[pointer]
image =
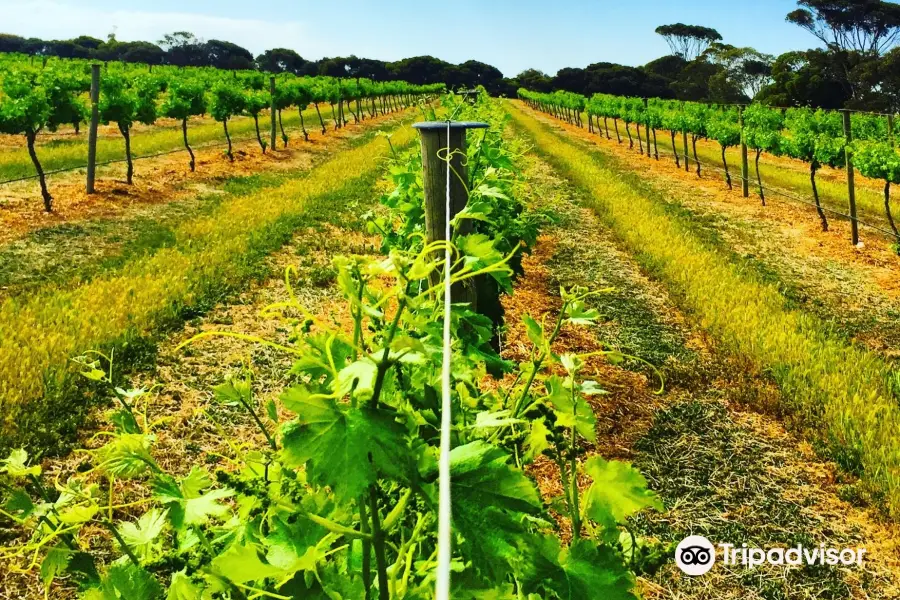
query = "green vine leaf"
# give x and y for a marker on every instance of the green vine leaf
(126, 582)
(187, 503)
(534, 331)
(343, 448)
(568, 414)
(143, 536)
(16, 465)
(490, 501)
(617, 491)
(241, 563)
(537, 440)
(183, 588)
(578, 313)
(19, 504)
(581, 572)
(362, 374)
(56, 562)
(78, 514)
(127, 456)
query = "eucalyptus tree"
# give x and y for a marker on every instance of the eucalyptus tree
(688, 41)
(868, 27)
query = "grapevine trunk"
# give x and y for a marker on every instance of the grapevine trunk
(762, 195)
(887, 208)
(187, 145)
(813, 167)
(727, 174)
(696, 160)
(228, 138)
(675, 149)
(284, 137)
(321, 121)
(126, 135)
(259, 139)
(45, 194)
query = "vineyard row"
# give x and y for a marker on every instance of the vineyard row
(36, 99)
(839, 139)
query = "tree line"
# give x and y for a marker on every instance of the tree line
(858, 65)
(184, 49)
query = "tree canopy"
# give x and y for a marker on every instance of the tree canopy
(225, 55)
(868, 26)
(688, 41)
(744, 69)
(536, 80)
(282, 60)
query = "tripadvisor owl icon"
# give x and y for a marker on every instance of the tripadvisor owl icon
(695, 555)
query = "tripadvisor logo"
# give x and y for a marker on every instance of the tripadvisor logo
(696, 555)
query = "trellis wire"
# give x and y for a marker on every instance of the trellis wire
(775, 106)
(442, 586)
(444, 506)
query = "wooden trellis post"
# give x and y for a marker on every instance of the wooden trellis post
(435, 146)
(851, 189)
(92, 132)
(647, 125)
(745, 169)
(273, 111)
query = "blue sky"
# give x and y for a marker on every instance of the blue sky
(512, 35)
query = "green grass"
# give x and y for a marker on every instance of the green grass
(837, 391)
(585, 255)
(72, 153)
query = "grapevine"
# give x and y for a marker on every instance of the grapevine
(37, 99)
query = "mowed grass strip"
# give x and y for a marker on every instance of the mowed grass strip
(71, 153)
(40, 333)
(838, 391)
